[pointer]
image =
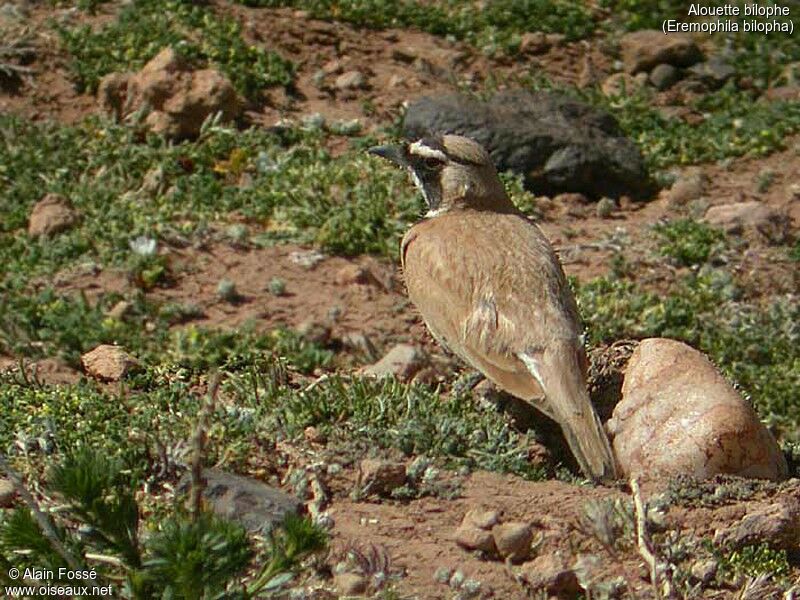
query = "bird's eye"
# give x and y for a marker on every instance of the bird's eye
(432, 163)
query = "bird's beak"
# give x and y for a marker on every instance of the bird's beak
(395, 154)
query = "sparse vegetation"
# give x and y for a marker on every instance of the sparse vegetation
(689, 242)
(754, 561)
(733, 124)
(762, 59)
(496, 26)
(186, 556)
(755, 346)
(144, 27)
(103, 459)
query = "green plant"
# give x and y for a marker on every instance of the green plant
(497, 26)
(643, 14)
(688, 242)
(350, 204)
(187, 557)
(277, 286)
(146, 267)
(226, 290)
(611, 522)
(762, 59)
(19, 530)
(51, 324)
(193, 558)
(734, 124)
(288, 546)
(144, 27)
(200, 349)
(752, 561)
(794, 251)
(361, 413)
(100, 497)
(764, 181)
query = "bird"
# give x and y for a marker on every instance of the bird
(491, 289)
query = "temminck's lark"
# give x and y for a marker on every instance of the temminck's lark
(490, 287)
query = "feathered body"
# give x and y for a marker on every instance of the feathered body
(491, 289)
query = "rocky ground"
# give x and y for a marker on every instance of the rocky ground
(407, 516)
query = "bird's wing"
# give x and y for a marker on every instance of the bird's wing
(489, 302)
(491, 287)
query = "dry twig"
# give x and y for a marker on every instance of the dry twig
(646, 548)
(198, 447)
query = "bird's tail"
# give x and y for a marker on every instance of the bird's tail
(560, 373)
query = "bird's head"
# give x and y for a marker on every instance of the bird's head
(451, 171)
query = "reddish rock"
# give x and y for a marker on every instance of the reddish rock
(351, 80)
(179, 98)
(354, 274)
(552, 574)
(777, 525)
(481, 518)
(381, 476)
(350, 584)
(643, 50)
(513, 540)
(51, 215)
(7, 493)
(473, 538)
(690, 186)
(109, 363)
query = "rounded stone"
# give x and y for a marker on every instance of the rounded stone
(678, 416)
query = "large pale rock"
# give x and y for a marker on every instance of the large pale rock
(678, 415)
(51, 215)
(178, 97)
(643, 50)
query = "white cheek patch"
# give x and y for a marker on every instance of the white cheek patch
(421, 188)
(418, 182)
(424, 151)
(435, 213)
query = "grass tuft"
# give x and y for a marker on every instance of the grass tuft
(493, 26)
(145, 27)
(689, 242)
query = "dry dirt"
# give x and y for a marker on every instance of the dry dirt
(400, 66)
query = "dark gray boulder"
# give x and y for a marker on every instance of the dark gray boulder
(257, 506)
(557, 143)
